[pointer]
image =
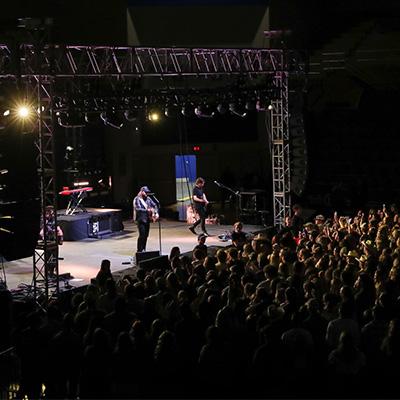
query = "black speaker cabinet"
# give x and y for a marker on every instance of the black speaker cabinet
(160, 262)
(145, 255)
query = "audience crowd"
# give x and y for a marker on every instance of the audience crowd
(310, 311)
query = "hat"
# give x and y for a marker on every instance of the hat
(363, 258)
(145, 189)
(368, 244)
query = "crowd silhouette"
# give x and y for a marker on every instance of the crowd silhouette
(310, 311)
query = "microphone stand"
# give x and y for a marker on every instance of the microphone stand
(237, 197)
(159, 221)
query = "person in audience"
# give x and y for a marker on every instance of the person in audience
(175, 252)
(201, 244)
(238, 237)
(103, 275)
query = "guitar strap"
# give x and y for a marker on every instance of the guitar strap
(144, 204)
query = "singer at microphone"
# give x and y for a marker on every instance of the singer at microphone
(145, 210)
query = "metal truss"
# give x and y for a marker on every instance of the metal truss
(280, 150)
(47, 65)
(46, 253)
(95, 61)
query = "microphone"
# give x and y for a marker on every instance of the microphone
(150, 194)
(218, 184)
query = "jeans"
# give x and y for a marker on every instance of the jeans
(144, 228)
(202, 220)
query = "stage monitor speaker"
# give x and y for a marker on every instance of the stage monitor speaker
(145, 255)
(99, 225)
(160, 262)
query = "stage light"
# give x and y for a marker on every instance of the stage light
(234, 109)
(202, 111)
(23, 112)
(6, 113)
(70, 119)
(250, 105)
(222, 108)
(262, 105)
(111, 118)
(131, 115)
(40, 110)
(170, 111)
(270, 107)
(187, 110)
(154, 116)
(92, 117)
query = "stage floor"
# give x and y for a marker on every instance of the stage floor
(82, 258)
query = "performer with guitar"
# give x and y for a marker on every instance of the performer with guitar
(145, 211)
(200, 205)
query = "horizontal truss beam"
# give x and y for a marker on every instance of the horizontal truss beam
(95, 61)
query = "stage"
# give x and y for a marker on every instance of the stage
(82, 258)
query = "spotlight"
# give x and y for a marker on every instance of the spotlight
(153, 116)
(92, 117)
(270, 107)
(202, 111)
(187, 110)
(6, 113)
(250, 105)
(170, 111)
(262, 105)
(23, 111)
(130, 115)
(154, 113)
(40, 110)
(222, 108)
(111, 118)
(70, 119)
(234, 109)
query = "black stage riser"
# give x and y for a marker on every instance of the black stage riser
(95, 223)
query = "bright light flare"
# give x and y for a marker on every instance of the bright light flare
(23, 112)
(154, 116)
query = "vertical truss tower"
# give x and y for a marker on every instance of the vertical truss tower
(46, 252)
(280, 151)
